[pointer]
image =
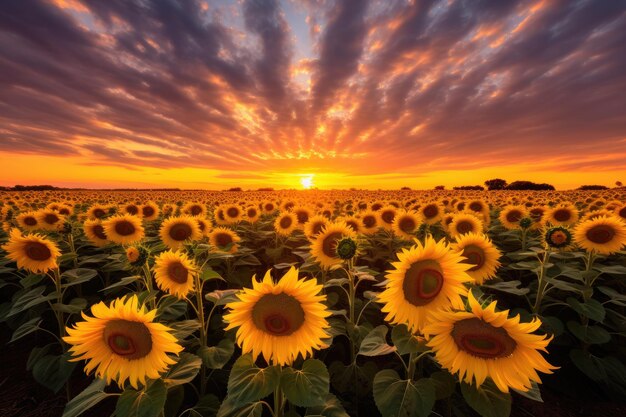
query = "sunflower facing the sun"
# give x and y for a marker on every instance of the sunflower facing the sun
(323, 247)
(427, 277)
(32, 252)
(605, 235)
(280, 321)
(123, 229)
(479, 252)
(177, 230)
(122, 342)
(174, 273)
(483, 343)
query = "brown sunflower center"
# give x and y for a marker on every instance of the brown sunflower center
(124, 228)
(251, 212)
(147, 211)
(232, 212)
(180, 231)
(64, 211)
(483, 340)
(303, 216)
(536, 214)
(30, 221)
(177, 272)
(388, 216)
(407, 224)
(430, 211)
(132, 209)
(622, 213)
(289, 206)
(195, 210)
(278, 314)
(514, 216)
(600, 234)
(369, 221)
(476, 206)
(98, 213)
(353, 225)
(317, 227)
(329, 245)
(285, 222)
(422, 282)
(37, 251)
(475, 255)
(129, 339)
(464, 226)
(51, 218)
(223, 239)
(376, 206)
(558, 237)
(269, 207)
(98, 230)
(562, 215)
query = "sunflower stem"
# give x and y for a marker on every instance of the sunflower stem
(542, 284)
(524, 236)
(278, 402)
(59, 316)
(203, 332)
(411, 369)
(352, 291)
(148, 281)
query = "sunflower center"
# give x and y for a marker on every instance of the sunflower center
(407, 224)
(269, 207)
(177, 272)
(251, 212)
(483, 340)
(132, 210)
(562, 215)
(369, 221)
(51, 218)
(423, 281)
(475, 255)
(98, 230)
(232, 212)
(303, 216)
(129, 339)
(147, 211)
(317, 227)
(223, 239)
(98, 213)
(37, 251)
(30, 221)
(289, 206)
(558, 237)
(464, 226)
(514, 216)
(622, 213)
(329, 245)
(475, 206)
(430, 211)
(180, 231)
(600, 234)
(278, 314)
(387, 216)
(376, 206)
(536, 214)
(285, 222)
(195, 210)
(352, 225)
(124, 228)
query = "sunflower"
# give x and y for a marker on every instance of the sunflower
(562, 215)
(354, 223)
(595, 214)
(431, 213)
(370, 222)
(323, 248)
(285, 223)
(150, 211)
(386, 215)
(268, 207)
(620, 211)
(287, 205)
(194, 209)
(131, 209)
(177, 230)
(303, 214)
(463, 223)
(205, 225)
(123, 229)
(315, 225)
(50, 220)
(97, 211)
(511, 215)
(605, 235)
(536, 213)
(252, 214)
(405, 225)
(484, 343)
(174, 273)
(427, 278)
(122, 342)
(479, 252)
(280, 321)
(32, 252)
(94, 230)
(233, 214)
(28, 220)
(223, 238)
(219, 217)
(557, 237)
(168, 210)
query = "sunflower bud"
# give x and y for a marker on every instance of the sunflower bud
(136, 255)
(526, 222)
(346, 248)
(558, 237)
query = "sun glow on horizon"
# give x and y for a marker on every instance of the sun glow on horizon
(307, 181)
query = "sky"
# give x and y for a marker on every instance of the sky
(334, 94)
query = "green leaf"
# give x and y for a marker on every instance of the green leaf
(588, 364)
(30, 326)
(185, 370)
(53, 371)
(77, 276)
(175, 398)
(444, 383)
(511, 287)
(184, 328)
(172, 309)
(221, 297)
(215, 357)
(307, 387)
(405, 341)
(396, 397)
(611, 269)
(30, 299)
(615, 296)
(331, 408)
(76, 305)
(488, 400)
(31, 279)
(209, 274)
(147, 402)
(248, 383)
(375, 344)
(229, 408)
(357, 333)
(122, 282)
(592, 308)
(594, 335)
(352, 378)
(533, 393)
(208, 405)
(553, 325)
(90, 396)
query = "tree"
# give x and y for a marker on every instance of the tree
(440, 187)
(593, 187)
(529, 185)
(618, 183)
(496, 184)
(470, 187)
(405, 189)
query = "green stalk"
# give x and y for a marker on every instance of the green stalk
(148, 282)
(278, 402)
(61, 321)
(541, 288)
(203, 330)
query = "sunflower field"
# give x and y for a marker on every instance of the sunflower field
(311, 303)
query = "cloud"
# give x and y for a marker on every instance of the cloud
(386, 87)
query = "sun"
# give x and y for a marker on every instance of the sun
(307, 181)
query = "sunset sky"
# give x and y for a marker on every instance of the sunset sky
(266, 93)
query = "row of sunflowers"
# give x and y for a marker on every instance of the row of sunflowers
(326, 303)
